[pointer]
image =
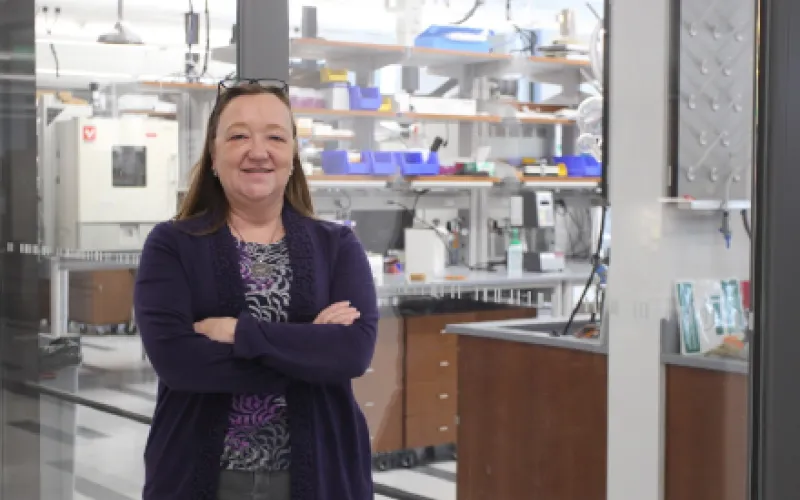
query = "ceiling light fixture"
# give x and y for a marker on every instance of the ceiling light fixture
(122, 33)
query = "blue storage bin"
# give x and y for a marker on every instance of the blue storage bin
(593, 168)
(447, 38)
(413, 163)
(365, 98)
(372, 163)
(580, 166)
(383, 163)
(336, 163)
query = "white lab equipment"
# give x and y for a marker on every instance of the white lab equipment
(117, 178)
(376, 265)
(52, 111)
(425, 252)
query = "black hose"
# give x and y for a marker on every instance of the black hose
(471, 12)
(595, 263)
(746, 224)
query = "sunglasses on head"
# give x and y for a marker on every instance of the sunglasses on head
(266, 83)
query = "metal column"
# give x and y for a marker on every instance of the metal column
(21, 469)
(59, 298)
(656, 244)
(635, 304)
(262, 50)
(775, 406)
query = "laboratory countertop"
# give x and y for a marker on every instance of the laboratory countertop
(455, 278)
(532, 331)
(729, 365)
(461, 277)
(671, 353)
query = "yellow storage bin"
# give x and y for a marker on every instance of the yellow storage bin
(386, 103)
(333, 75)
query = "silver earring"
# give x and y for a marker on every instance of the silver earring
(214, 171)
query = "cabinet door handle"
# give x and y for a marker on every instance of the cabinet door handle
(444, 364)
(443, 428)
(444, 396)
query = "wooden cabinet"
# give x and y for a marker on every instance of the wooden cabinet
(380, 391)
(705, 434)
(532, 422)
(95, 297)
(431, 379)
(431, 413)
(409, 395)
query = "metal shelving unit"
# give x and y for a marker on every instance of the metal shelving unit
(470, 69)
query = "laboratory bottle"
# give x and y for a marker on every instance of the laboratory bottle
(514, 254)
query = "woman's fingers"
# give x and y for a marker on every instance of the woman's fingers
(325, 315)
(343, 317)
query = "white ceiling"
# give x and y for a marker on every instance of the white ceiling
(223, 12)
(160, 24)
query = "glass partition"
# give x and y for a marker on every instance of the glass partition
(514, 358)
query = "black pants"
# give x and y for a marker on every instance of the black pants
(241, 485)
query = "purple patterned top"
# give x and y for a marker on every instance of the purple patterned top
(258, 427)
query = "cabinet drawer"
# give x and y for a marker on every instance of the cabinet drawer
(378, 389)
(380, 377)
(431, 327)
(429, 355)
(384, 377)
(432, 430)
(429, 366)
(385, 426)
(426, 341)
(438, 397)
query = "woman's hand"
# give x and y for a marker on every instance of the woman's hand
(339, 313)
(217, 329)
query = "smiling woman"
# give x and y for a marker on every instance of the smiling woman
(256, 317)
(258, 126)
(252, 156)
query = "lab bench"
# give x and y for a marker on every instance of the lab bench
(706, 424)
(532, 411)
(92, 282)
(409, 394)
(494, 286)
(550, 394)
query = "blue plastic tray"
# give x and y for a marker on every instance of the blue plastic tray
(446, 38)
(365, 98)
(580, 165)
(413, 163)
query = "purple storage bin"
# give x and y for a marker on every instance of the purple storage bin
(448, 170)
(413, 163)
(336, 163)
(365, 98)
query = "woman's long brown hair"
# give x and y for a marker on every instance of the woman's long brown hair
(205, 195)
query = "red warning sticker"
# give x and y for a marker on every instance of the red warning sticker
(89, 133)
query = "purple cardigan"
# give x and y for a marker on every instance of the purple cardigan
(184, 278)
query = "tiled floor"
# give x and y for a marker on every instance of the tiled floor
(108, 459)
